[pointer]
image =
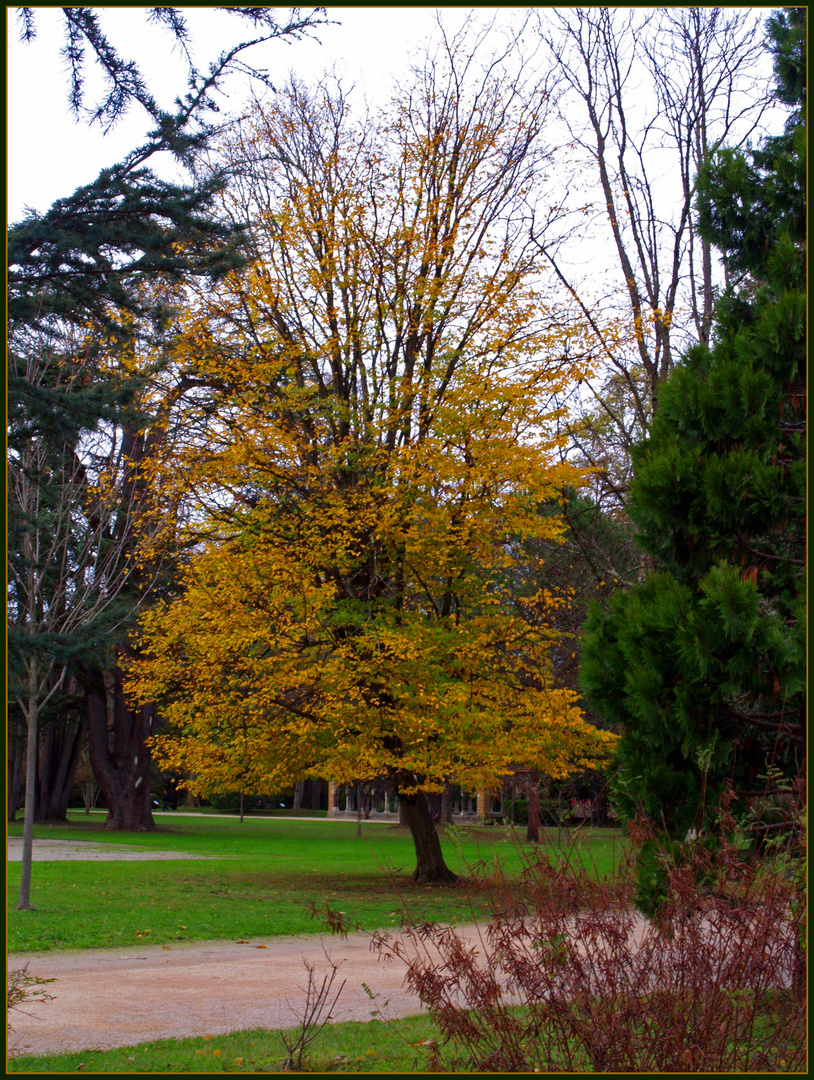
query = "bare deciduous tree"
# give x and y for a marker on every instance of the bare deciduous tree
(648, 97)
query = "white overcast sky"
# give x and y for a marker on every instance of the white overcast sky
(50, 154)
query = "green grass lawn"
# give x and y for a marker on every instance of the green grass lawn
(258, 879)
(376, 1047)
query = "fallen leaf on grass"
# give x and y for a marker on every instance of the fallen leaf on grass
(261, 946)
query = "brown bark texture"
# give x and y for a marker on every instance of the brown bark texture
(446, 804)
(119, 755)
(60, 749)
(14, 778)
(533, 828)
(430, 865)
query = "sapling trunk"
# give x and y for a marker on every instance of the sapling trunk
(32, 708)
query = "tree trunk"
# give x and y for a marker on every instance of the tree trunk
(24, 901)
(90, 793)
(59, 760)
(45, 752)
(430, 865)
(316, 794)
(533, 829)
(299, 792)
(32, 709)
(66, 771)
(599, 808)
(14, 775)
(123, 771)
(446, 804)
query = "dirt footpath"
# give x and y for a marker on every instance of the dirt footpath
(107, 998)
(61, 850)
(118, 997)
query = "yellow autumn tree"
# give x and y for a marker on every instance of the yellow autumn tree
(371, 437)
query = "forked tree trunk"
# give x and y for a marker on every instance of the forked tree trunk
(430, 865)
(119, 755)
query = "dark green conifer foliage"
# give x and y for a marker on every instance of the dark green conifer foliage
(76, 271)
(75, 298)
(85, 282)
(123, 81)
(702, 665)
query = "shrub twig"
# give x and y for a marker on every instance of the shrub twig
(567, 976)
(316, 1012)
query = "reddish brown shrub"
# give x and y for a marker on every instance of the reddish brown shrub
(567, 976)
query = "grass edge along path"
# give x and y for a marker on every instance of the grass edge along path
(391, 1046)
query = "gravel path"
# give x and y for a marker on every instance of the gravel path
(106, 998)
(61, 850)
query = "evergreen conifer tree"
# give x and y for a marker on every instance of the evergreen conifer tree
(702, 665)
(86, 280)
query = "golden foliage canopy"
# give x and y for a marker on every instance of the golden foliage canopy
(370, 437)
